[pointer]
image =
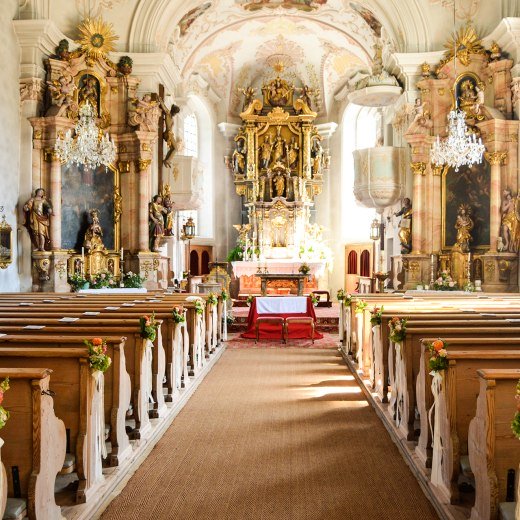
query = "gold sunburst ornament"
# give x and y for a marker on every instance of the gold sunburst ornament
(97, 38)
(465, 42)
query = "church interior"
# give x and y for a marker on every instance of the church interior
(259, 259)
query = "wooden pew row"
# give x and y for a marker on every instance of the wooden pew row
(492, 447)
(35, 444)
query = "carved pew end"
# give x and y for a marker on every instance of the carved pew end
(15, 509)
(69, 464)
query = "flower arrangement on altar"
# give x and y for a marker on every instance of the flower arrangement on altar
(304, 269)
(77, 281)
(361, 305)
(4, 414)
(178, 313)
(224, 295)
(438, 355)
(133, 280)
(148, 326)
(249, 299)
(376, 316)
(445, 283)
(397, 329)
(469, 287)
(212, 299)
(515, 425)
(102, 280)
(97, 354)
(199, 306)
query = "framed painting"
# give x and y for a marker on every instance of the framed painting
(470, 186)
(83, 190)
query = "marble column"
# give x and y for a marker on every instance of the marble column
(437, 172)
(55, 198)
(495, 159)
(419, 171)
(515, 88)
(144, 172)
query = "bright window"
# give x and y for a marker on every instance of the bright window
(191, 136)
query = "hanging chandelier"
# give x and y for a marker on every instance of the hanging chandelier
(460, 147)
(89, 147)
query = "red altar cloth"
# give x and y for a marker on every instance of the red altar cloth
(269, 331)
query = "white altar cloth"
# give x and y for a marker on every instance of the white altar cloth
(281, 266)
(118, 290)
(281, 304)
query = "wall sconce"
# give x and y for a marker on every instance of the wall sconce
(6, 241)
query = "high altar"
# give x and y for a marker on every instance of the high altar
(278, 167)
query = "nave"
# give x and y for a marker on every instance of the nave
(274, 433)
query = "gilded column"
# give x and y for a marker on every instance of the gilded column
(437, 172)
(495, 159)
(251, 152)
(143, 166)
(306, 173)
(55, 198)
(419, 171)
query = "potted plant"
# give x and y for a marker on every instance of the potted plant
(124, 65)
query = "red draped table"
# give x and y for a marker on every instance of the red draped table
(272, 331)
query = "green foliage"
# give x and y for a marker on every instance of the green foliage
(236, 254)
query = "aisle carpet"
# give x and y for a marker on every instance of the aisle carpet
(274, 434)
(329, 341)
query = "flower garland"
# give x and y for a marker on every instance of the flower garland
(376, 316)
(224, 295)
(199, 306)
(148, 326)
(438, 355)
(178, 313)
(515, 425)
(397, 329)
(97, 356)
(340, 295)
(4, 414)
(212, 299)
(361, 305)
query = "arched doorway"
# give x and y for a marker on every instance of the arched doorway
(194, 263)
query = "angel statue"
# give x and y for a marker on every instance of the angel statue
(405, 226)
(62, 94)
(249, 94)
(464, 225)
(305, 95)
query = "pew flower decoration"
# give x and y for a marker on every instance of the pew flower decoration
(97, 354)
(4, 414)
(249, 300)
(315, 300)
(340, 295)
(148, 327)
(347, 300)
(133, 280)
(212, 299)
(438, 355)
(361, 305)
(445, 283)
(376, 316)
(199, 306)
(397, 329)
(224, 295)
(178, 313)
(77, 281)
(515, 425)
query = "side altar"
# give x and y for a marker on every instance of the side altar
(278, 166)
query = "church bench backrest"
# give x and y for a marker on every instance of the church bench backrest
(493, 448)
(34, 440)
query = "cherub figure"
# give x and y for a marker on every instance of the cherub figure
(62, 94)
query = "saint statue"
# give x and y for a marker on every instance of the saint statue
(292, 153)
(249, 94)
(156, 221)
(93, 240)
(278, 149)
(405, 226)
(37, 219)
(305, 96)
(239, 158)
(89, 92)
(279, 185)
(317, 156)
(468, 96)
(510, 224)
(168, 217)
(464, 224)
(265, 151)
(168, 134)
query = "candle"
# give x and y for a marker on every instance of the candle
(82, 254)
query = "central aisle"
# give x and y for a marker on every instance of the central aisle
(278, 434)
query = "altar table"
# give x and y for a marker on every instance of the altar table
(284, 307)
(265, 277)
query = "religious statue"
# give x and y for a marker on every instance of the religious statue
(279, 92)
(156, 221)
(239, 158)
(279, 185)
(377, 63)
(89, 93)
(495, 53)
(168, 204)
(249, 94)
(93, 240)
(62, 95)
(510, 223)
(317, 156)
(479, 102)
(464, 224)
(278, 148)
(292, 153)
(38, 211)
(168, 134)
(144, 113)
(421, 122)
(265, 151)
(467, 96)
(405, 226)
(62, 50)
(305, 95)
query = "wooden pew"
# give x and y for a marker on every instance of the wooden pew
(492, 447)
(34, 440)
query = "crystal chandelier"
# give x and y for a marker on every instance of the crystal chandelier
(88, 147)
(459, 147)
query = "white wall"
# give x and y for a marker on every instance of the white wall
(9, 133)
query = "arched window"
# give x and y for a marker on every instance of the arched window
(365, 263)
(191, 136)
(352, 263)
